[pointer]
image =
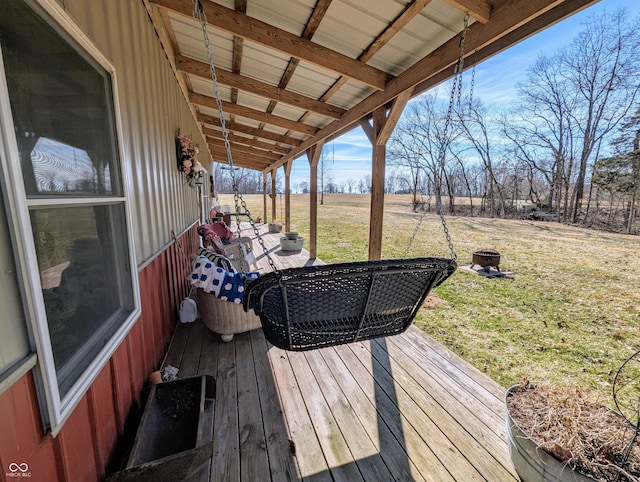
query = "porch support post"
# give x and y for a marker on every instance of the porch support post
(273, 197)
(264, 196)
(313, 153)
(287, 195)
(383, 125)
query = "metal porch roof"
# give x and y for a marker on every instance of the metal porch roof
(296, 72)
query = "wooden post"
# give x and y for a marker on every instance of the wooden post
(287, 195)
(264, 196)
(313, 153)
(383, 124)
(274, 216)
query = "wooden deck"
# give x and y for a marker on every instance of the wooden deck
(398, 408)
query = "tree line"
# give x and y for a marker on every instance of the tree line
(567, 150)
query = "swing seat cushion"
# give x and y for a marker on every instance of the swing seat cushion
(319, 306)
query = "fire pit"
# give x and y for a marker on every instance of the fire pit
(486, 258)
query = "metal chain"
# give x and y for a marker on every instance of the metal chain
(473, 79)
(201, 16)
(456, 93)
(456, 89)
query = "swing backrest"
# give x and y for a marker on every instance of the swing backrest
(318, 306)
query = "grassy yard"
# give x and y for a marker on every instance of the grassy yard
(569, 314)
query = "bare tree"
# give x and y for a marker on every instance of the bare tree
(572, 100)
(474, 123)
(351, 184)
(324, 173)
(602, 65)
(418, 141)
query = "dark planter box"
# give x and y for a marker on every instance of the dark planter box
(173, 441)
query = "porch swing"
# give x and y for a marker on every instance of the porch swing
(327, 305)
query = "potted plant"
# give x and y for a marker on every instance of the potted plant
(559, 434)
(275, 227)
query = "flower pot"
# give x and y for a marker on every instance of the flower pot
(155, 377)
(291, 235)
(532, 463)
(291, 244)
(275, 227)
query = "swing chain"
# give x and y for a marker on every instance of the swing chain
(200, 15)
(456, 93)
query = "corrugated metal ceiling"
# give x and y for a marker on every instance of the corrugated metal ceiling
(331, 51)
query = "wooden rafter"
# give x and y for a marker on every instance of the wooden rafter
(310, 28)
(247, 84)
(252, 131)
(237, 148)
(247, 27)
(229, 108)
(410, 11)
(238, 45)
(247, 141)
(505, 17)
(478, 9)
(499, 24)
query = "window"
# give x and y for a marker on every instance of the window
(66, 159)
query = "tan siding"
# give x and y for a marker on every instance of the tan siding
(152, 108)
(14, 343)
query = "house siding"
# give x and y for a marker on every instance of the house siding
(86, 443)
(152, 108)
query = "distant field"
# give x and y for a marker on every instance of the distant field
(569, 314)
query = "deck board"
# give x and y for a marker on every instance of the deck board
(398, 408)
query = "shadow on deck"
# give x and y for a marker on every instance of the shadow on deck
(397, 408)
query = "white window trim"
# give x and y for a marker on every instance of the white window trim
(58, 409)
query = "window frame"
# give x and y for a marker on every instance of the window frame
(56, 409)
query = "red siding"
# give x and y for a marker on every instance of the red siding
(76, 446)
(86, 442)
(102, 407)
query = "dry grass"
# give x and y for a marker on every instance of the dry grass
(585, 435)
(569, 314)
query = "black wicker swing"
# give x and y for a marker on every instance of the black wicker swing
(319, 306)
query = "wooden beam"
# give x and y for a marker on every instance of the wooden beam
(242, 149)
(287, 195)
(238, 47)
(242, 25)
(264, 195)
(246, 141)
(274, 195)
(252, 131)
(505, 18)
(392, 118)
(478, 9)
(410, 11)
(249, 113)
(367, 129)
(262, 89)
(376, 215)
(398, 23)
(239, 159)
(548, 18)
(313, 153)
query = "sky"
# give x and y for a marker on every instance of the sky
(495, 82)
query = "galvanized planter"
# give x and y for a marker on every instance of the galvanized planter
(531, 462)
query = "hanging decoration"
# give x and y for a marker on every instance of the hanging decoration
(188, 163)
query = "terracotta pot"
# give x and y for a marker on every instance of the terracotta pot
(155, 377)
